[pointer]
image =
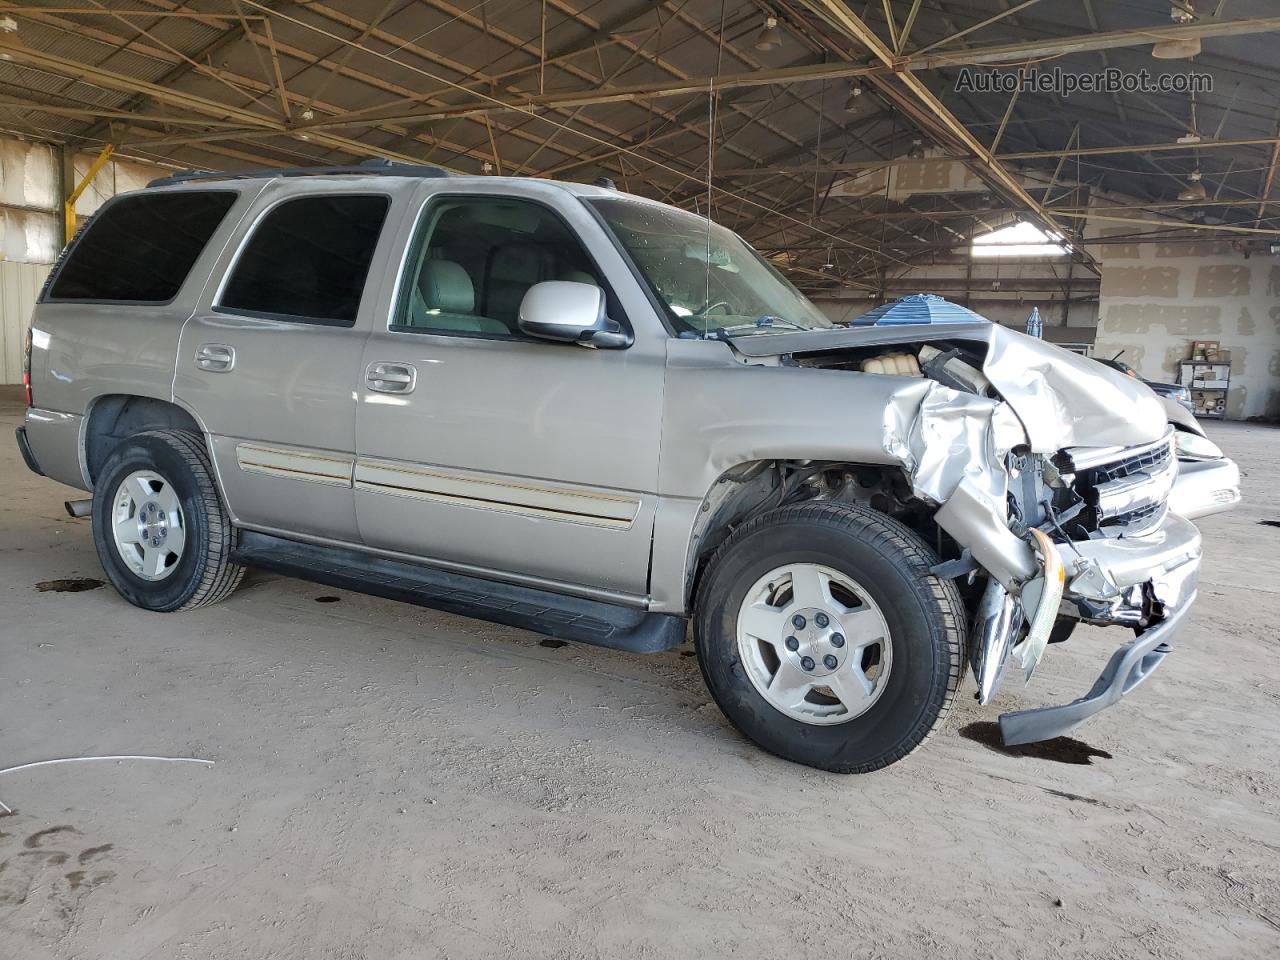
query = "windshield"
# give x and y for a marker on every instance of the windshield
(712, 282)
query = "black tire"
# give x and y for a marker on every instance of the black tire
(205, 572)
(925, 616)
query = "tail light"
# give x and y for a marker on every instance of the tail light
(26, 369)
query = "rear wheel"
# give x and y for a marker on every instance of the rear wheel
(824, 638)
(159, 525)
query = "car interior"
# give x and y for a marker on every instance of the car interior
(476, 259)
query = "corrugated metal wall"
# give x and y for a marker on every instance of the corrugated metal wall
(19, 285)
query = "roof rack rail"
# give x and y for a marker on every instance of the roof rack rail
(375, 167)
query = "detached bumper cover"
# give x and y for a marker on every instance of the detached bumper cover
(1127, 668)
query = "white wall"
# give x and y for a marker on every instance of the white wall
(1157, 298)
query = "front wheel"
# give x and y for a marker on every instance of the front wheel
(824, 638)
(159, 524)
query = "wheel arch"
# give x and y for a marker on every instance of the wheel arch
(114, 416)
(752, 486)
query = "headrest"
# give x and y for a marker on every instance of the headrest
(445, 286)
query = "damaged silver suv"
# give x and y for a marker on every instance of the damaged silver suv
(600, 418)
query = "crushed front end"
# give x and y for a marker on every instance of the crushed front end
(1129, 560)
(1064, 493)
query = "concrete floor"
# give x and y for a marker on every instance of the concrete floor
(390, 782)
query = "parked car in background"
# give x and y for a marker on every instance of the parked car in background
(603, 418)
(1171, 391)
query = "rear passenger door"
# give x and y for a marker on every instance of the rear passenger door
(269, 361)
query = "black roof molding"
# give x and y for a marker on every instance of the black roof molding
(376, 167)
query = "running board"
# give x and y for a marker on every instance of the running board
(553, 614)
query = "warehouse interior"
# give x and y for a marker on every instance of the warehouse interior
(406, 783)
(833, 138)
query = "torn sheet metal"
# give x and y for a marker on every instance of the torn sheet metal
(999, 618)
(954, 447)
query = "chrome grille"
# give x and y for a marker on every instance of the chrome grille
(1127, 489)
(1148, 461)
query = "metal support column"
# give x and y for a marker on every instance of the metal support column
(68, 177)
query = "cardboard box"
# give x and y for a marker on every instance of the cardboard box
(1205, 349)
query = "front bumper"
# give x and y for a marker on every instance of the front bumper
(1127, 668)
(1147, 583)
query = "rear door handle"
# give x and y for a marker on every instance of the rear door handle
(386, 377)
(215, 357)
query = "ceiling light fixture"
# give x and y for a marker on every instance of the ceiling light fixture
(1189, 137)
(1178, 49)
(770, 36)
(1194, 190)
(855, 98)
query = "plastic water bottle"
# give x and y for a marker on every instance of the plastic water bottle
(1035, 326)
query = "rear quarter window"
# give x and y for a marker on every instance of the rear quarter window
(140, 249)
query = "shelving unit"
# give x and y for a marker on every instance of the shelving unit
(1209, 381)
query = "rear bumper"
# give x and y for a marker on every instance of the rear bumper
(53, 441)
(24, 448)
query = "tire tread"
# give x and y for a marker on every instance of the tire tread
(219, 574)
(878, 530)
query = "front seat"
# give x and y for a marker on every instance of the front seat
(578, 276)
(446, 300)
(513, 268)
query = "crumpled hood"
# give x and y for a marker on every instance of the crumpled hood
(1061, 398)
(1066, 400)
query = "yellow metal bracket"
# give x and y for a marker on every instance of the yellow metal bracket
(69, 207)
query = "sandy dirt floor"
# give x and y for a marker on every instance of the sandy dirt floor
(391, 783)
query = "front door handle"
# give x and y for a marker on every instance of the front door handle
(215, 357)
(385, 377)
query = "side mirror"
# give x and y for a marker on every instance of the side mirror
(570, 312)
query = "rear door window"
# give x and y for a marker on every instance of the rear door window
(139, 249)
(308, 259)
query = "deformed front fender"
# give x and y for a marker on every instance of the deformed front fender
(720, 413)
(955, 446)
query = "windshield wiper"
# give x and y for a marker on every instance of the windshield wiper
(768, 320)
(765, 321)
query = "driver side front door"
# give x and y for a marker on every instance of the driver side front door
(481, 449)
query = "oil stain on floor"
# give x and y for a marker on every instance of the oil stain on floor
(71, 585)
(1059, 749)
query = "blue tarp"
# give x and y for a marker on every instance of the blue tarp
(917, 308)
